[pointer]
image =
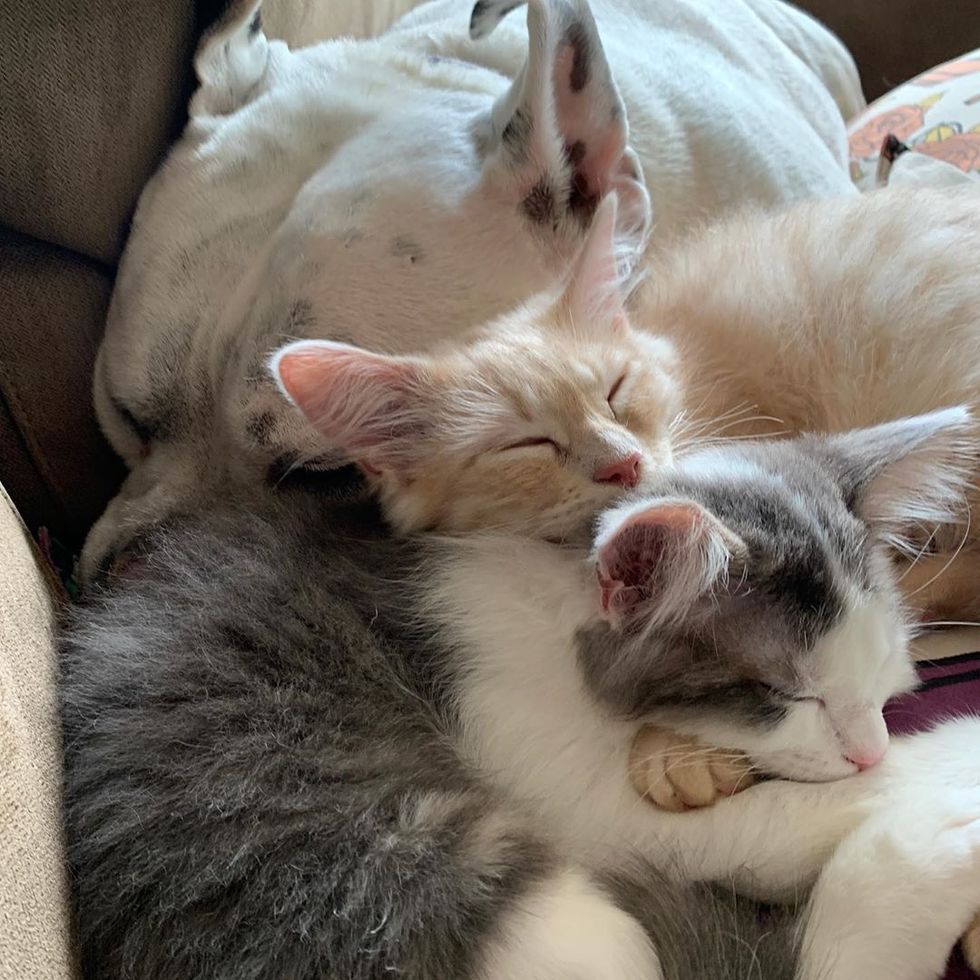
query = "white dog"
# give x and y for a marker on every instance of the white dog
(395, 190)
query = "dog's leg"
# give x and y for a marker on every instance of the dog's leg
(231, 60)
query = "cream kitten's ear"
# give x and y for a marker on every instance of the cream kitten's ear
(370, 405)
(593, 296)
(659, 558)
(910, 471)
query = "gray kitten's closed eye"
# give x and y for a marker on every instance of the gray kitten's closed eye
(752, 600)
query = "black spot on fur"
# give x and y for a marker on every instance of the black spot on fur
(256, 25)
(481, 7)
(582, 200)
(539, 204)
(517, 133)
(403, 247)
(575, 153)
(577, 38)
(892, 148)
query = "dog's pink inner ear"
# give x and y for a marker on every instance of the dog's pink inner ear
(369, 405)
(636, 565)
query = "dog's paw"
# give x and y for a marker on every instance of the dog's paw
(678, 773)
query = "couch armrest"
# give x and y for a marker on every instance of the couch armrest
(36, 937)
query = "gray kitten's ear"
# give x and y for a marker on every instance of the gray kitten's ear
(910, 471)
(558, 135)
(230, 60)
(372, 406)
(655, 560)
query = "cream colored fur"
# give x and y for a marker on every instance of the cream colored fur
(509, 428)
(831, 316)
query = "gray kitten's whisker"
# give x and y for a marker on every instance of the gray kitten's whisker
(949, 561)
(920, 553)
(949, 622)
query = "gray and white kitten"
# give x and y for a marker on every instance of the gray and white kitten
(296, 748)
(264, 780)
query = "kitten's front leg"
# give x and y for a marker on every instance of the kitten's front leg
(775, 838)
(897, 895)
(677, 773)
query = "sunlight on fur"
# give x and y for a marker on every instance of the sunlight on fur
(535, 424)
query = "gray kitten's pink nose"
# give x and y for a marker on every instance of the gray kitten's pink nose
(867, 758)
(625, 472)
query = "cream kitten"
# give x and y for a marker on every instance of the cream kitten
(835, 315)
(533, 424)
(830, 316)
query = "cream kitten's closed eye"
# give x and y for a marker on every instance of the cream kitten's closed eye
(532, 442)
(614, 390)
(535, 424)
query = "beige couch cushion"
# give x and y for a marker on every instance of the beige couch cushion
(53, 460)
(90, 95)
(35, 923)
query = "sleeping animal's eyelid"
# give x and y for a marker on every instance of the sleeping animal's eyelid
(530, 442)
(782, 693)
(615, 388)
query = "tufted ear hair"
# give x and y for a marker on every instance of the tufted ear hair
(374, 407)
(559, 135)
(594, 294)
(908, 472)
(231, 59)
(656, 560)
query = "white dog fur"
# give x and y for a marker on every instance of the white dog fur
(363, 191)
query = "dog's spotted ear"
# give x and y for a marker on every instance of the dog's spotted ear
(559, 134)
(231, 59)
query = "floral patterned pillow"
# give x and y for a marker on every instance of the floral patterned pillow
(936, 114)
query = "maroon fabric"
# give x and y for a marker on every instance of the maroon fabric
(947, 688)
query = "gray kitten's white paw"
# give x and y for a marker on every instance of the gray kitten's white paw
(898, 893)
(568, 929)
(678, 773)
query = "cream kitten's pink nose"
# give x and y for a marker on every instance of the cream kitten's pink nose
(625, 472)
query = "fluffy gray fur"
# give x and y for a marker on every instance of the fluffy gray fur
(262, 780)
